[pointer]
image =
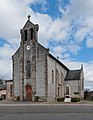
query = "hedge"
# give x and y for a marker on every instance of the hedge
(75, 99)
(60, 99)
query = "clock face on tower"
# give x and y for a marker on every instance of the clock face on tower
(28, 47)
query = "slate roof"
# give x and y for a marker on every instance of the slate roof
(73, 75)
(9, 81)
(2, 87)
(1, 81)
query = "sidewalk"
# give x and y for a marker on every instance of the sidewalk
(29, 103)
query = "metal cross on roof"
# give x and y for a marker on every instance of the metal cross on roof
(29, 17)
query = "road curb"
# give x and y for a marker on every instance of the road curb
(28, 105)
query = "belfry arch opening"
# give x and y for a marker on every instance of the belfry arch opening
(25, 34)
(31, 33)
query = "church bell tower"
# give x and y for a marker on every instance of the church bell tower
(29, 31)
(28, 45)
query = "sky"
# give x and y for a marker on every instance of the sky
(65, 27)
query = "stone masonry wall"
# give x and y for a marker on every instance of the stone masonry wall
(16, 73)
(53, 65)
(41, 72)
(74, 87)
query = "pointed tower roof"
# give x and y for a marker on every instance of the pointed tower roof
(29, 31)
(28, 23)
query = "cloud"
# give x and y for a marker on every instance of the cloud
(82, 17)
(66, 56)
(73, 48)
(6, 51)
(10, 19)
(35, 1)
(63, 6)
(89, 85)
(50, 29)
(5, 69)
(42, 3)
(89, 75)
(77, 11)
(89, 71)
(89, 42)
(81, 34)
(58, 50)
(58, 30)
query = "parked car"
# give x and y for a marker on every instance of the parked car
(0, 98)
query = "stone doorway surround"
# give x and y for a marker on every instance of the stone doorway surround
(67, 96)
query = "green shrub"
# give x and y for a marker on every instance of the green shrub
(36, 98)
(75, 99)
(76, 93)
(18, 98)
(60, 99)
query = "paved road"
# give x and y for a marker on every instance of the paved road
(46, 112)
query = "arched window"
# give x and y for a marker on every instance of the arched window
(52, 76)
(31, 33)
(25, 32)
(58, 91)
(62, 78)
(67, 90)
(28, 69)
(57, 76)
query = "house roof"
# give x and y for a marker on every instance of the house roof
(9, 80)
(73, 75)
(27, 24)
(2, 87)
(1, 81)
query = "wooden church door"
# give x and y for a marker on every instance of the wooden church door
(28, 93)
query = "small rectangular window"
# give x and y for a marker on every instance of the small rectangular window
(28, 69)
(58, 91)
(11, 88)
(52, 76)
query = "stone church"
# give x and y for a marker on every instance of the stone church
(38, 74)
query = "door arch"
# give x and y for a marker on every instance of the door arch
(28, 93)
